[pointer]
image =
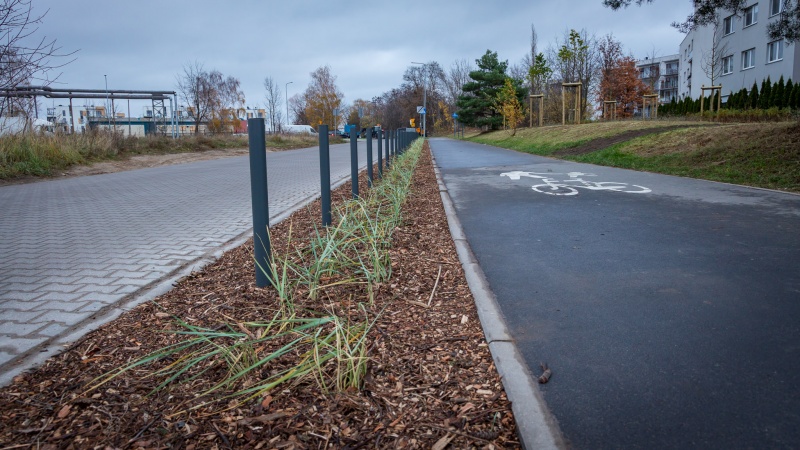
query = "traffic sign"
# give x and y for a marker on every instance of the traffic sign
(420, 110)
(455, 116)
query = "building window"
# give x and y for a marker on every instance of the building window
(748, 58)
(727, 65)
(775, 51)
(775, 7)
(727, 25)
(751, 15)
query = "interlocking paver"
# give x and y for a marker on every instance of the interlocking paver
(21, 316)
(76, 246)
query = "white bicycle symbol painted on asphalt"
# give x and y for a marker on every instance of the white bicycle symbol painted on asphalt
(553, 186)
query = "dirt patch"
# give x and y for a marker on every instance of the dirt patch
(430, 379)
(603, 143)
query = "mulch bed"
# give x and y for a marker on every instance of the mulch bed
(431, 382)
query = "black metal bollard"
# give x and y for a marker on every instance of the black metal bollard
(369, 157)
(380, 153)
(354, 161)
(256, 132)
(325, 174)
(386, 138)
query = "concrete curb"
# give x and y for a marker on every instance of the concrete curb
(57, 344)
(536, 427)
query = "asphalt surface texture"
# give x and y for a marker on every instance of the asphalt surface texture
(76, 252)
(666, 307)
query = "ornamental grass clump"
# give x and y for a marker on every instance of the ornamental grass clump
(236, 362)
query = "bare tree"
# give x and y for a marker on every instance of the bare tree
(274, 102)
(456, 78)
(711, 61)
(297, 109)
(575, 59)
(228, 98)
(25, 59)
(196, 89)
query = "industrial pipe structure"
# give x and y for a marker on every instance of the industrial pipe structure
(121, 94)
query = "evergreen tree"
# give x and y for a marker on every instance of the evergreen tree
(765, 96)
(754, 96)
(741, 99)
(796, 96)
(476, 104)
(777, 94)
(787, 94)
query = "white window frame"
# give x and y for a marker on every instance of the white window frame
(753, 12)
(752, 59)
(773, 4)
(771, 49)
(727, 26)
(727, 65)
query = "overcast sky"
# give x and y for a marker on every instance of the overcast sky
(143, 44)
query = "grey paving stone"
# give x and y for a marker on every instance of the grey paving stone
(20, 296)
(5, 357)
(20, 316)
(61, 316)
(96, 289)
(59, 287)
(61, 297)
(19, 305)
(54, 305)
(21, 330)
(52, 329)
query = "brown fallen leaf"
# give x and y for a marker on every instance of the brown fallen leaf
(443, 442)
(64, 411)
(545, 377)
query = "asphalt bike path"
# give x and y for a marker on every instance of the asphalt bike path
(75, 253)
(667, 308)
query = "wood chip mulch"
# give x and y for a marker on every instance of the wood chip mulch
(430, 383)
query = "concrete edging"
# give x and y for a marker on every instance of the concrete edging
(536, 427)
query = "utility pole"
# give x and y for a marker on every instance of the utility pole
(424, 98)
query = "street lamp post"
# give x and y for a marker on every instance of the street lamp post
(106, 78)
(424, 99)
(287, 101)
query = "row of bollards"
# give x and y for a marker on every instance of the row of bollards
(392, 142)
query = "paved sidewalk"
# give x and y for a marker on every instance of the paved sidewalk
(74, 252)
(666, 307)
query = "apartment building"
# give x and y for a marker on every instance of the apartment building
(736, 52)
(662, 75)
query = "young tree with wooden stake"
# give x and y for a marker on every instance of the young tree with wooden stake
(509, 106)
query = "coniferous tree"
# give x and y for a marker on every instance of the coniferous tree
(741, 98)
(476, 104)
(777, 94)
(754, 96)
(787, 94)
(765, 96)
(796, 96)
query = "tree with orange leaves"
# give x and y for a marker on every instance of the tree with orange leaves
(619, 79)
